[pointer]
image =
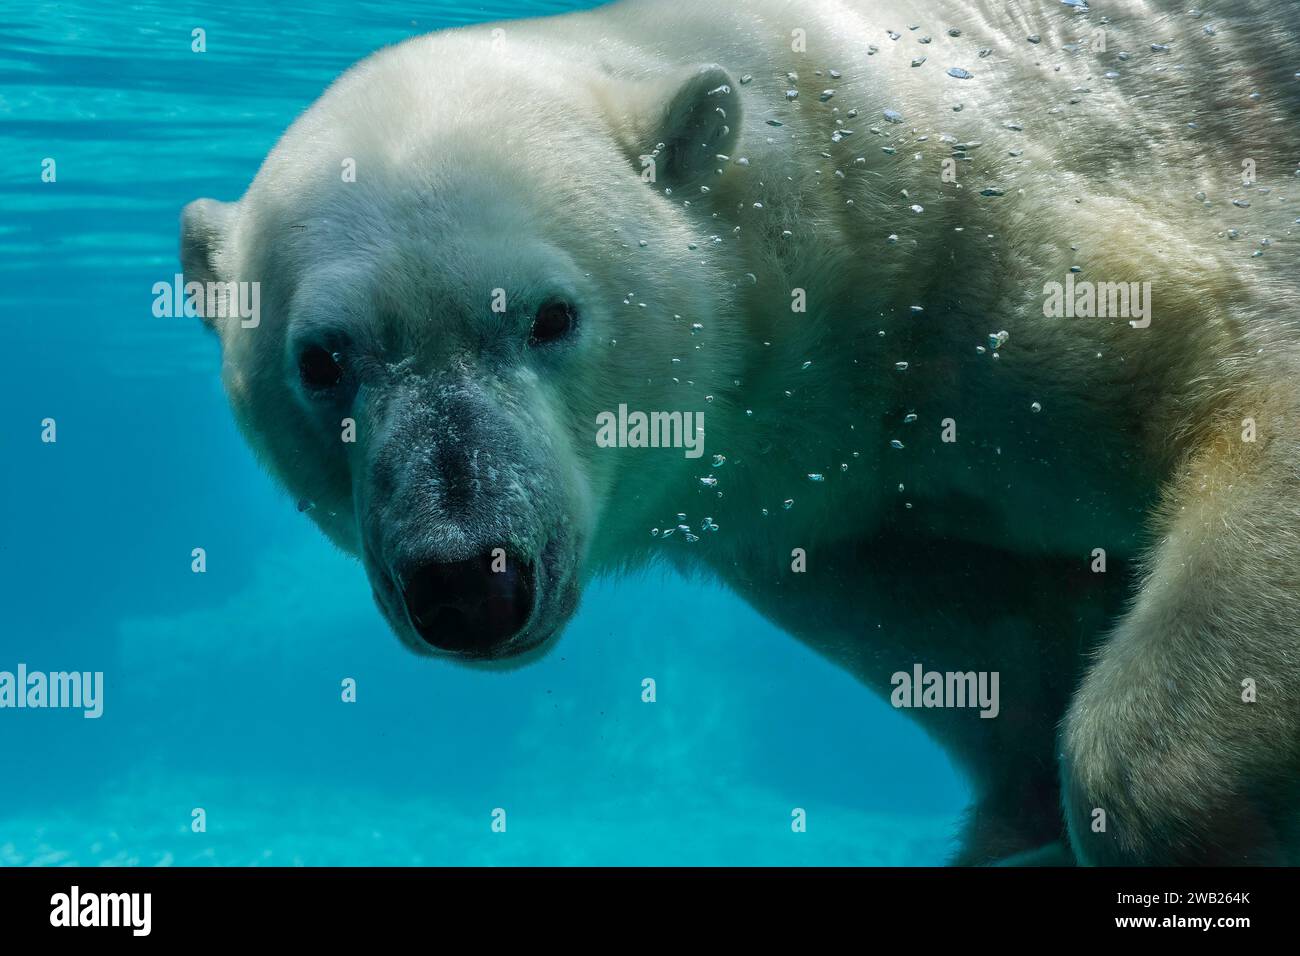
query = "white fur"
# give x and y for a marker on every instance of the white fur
(511, 161)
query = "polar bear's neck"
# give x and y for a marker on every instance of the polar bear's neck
(837, 196)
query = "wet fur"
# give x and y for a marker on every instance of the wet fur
(1121, 690)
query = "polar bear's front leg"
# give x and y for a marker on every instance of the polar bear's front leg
(1182, 745)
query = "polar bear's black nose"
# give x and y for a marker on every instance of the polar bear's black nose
(470, 606)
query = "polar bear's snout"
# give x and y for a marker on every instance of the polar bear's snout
(467, 525)
(469, 606)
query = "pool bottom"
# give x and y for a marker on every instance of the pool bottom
(145, 821)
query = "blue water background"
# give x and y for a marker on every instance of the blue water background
(223, 688)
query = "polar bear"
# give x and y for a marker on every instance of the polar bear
(981, 316)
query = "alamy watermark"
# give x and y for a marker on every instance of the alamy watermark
(922, 688)
(626, 429)
(209, 300)
(1087, 300)
(75, 908)
(79, 690)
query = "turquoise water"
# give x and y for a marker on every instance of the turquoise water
(222, 690)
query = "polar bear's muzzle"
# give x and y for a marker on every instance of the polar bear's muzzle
(466, 520)
(470, 607)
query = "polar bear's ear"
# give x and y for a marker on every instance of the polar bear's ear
(205, 227)
(685, 125)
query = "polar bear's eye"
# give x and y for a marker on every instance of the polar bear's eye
(318, 368)
(554, 320)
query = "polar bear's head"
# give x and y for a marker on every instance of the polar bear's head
(460, 265)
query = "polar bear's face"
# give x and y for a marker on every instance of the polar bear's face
(443, 313)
